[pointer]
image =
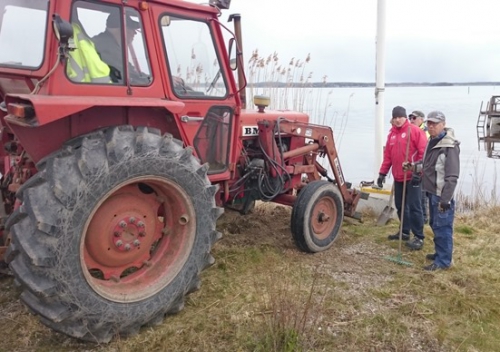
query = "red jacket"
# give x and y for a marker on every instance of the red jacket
(395, 149)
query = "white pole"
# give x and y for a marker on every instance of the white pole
(379, 86)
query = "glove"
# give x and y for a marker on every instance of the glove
(381, 180)
(415, 180)
(443, 207)
(407, 166)
(114, 74)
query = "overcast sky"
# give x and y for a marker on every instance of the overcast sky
(427, 40)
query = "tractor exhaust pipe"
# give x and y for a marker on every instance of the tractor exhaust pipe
(241, 63)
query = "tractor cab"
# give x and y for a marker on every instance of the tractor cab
(105, 64)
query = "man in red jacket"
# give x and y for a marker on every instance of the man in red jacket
(401, 132)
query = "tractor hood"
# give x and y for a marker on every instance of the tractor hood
(249, 119)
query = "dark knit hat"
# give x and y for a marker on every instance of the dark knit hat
(398, 111)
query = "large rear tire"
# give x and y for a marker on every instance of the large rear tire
(317, 216)
(113, 232)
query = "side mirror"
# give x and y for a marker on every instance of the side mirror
(62, 29)
(233, 52)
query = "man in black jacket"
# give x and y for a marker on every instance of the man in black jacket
(440, 171)
(109, 46)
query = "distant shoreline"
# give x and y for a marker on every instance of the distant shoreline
(364, 84)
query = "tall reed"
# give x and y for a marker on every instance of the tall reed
(286, 85)
(290, 87)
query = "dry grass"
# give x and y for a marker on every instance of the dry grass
(264, 295)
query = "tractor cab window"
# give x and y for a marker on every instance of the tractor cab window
(194, 66)
(23, 26)
(100, 42)
(212, 139)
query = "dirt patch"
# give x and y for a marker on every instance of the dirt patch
(267, 225)
(356, 263)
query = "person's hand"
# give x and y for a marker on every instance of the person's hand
(180, 86)
(137, 77)
(114, 74)
(415, 180)
(407, 166)
(381, 180)
(444, 207)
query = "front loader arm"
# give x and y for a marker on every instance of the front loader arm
(322, 144)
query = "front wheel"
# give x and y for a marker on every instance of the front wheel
(317, 216)
(113, 232)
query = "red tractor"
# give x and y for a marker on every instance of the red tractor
(124, 136)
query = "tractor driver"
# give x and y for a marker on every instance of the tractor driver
(109, 46)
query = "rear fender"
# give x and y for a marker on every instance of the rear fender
(50, 128)
(48, 109)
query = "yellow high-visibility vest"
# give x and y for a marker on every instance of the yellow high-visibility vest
(84, 63)
(424, 128)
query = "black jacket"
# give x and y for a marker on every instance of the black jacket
(111, 53)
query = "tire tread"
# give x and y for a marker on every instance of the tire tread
(39, 228)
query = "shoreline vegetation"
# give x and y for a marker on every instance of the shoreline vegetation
(271, 72)
(364, 84)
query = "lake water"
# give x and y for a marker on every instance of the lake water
(351, 114)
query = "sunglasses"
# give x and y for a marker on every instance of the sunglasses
(413, 117)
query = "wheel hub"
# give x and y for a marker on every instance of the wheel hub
(122, 232)
(128, 233)
(138, 238)
(323, 219)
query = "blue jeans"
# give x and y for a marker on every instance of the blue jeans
(442, 226)
(413, 218)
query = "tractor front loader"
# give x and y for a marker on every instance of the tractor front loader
(281, 165)
(124, 135)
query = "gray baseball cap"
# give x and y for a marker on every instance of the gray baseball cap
(417, 113)
(436, 116)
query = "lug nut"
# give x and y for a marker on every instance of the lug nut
(122, 224)
(131, 220)
(119, 243)
(127, 247)
(140, 224)
(137, 243)
(142, 234)
(116, 233)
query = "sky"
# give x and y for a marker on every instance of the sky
(426, 40)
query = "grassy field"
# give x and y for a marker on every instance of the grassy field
(264, 295)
